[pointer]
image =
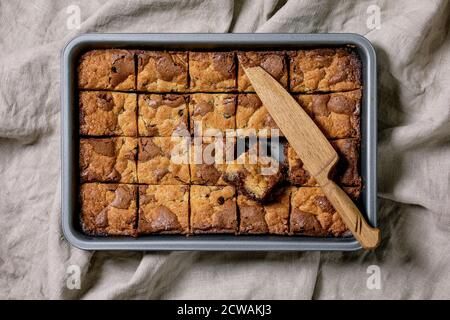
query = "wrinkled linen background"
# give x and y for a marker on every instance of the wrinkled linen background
(413, 48)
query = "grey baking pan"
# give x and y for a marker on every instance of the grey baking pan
(69, 136)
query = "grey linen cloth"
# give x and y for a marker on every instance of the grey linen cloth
(413, 261)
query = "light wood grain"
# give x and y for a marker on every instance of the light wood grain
(316, 153)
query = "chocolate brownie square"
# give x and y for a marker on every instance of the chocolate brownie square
(257, 171)
(271, 217)
(163, 160)
(212, 71)
(324, 70)
(108, 160)
(162, 115)
(313, 215)
(213, 209)
(212, 113)
(107, 113)
(108, 209)
(274, 62)
(163, 209)
(111, 69)
(336, 114)
(162, 71)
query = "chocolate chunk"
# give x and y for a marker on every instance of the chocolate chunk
(229, 106)
(223, 63)
(114, 175)
(105, 147)
(207, 173)
(122, 68)
(164, 219)
(274, 65)
(319, 105)
(101, 220)
(341, 104)
(221, 200)
(105, 101)
(153, 101)
(123, 198)
(252, 219)
(305, 223)
(323, 203)
(160, 173)
(226, 217)
(173, 100)
(167, 68)
(250, 101)
(202, 108)
(148, 150)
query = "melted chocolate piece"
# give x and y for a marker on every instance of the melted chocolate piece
(105, 147)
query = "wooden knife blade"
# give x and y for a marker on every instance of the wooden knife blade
(316, 153)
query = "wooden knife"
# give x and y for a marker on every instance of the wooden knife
(316, 153)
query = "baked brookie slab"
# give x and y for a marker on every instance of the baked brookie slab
(178, 142)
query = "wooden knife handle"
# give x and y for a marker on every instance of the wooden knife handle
(368, 236)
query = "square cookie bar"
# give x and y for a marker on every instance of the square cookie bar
(212, 113)
(271, 217)
(163, 209)
(163, 160)
(162, 115)
(274, 62)
(252, 118)
(313, 215)
(111, 69)
(107, 113)
(162, 71)
(108, 209)
(212, 71)
(108, 160)
(326, 69)
(336, 114)
(345, 173)
(209, 159)
(213, 209)
(257, 171)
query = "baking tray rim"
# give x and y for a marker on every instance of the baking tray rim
(218, 242)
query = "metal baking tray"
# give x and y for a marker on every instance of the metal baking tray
(69, 138)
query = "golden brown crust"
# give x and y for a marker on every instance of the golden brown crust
(111, 69)
(210, 113)
(253, 118)
(107, 113)
(162, 71)
(209, 159)
(108, 160)
(274, 62)
(336, 114)
(163, 209)
(163, 160)
(212, 71)
(272, 217)
(345, 173)
(108, 209)
(162, 115)
(323, 70)
(313, 215)
(213, 209)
